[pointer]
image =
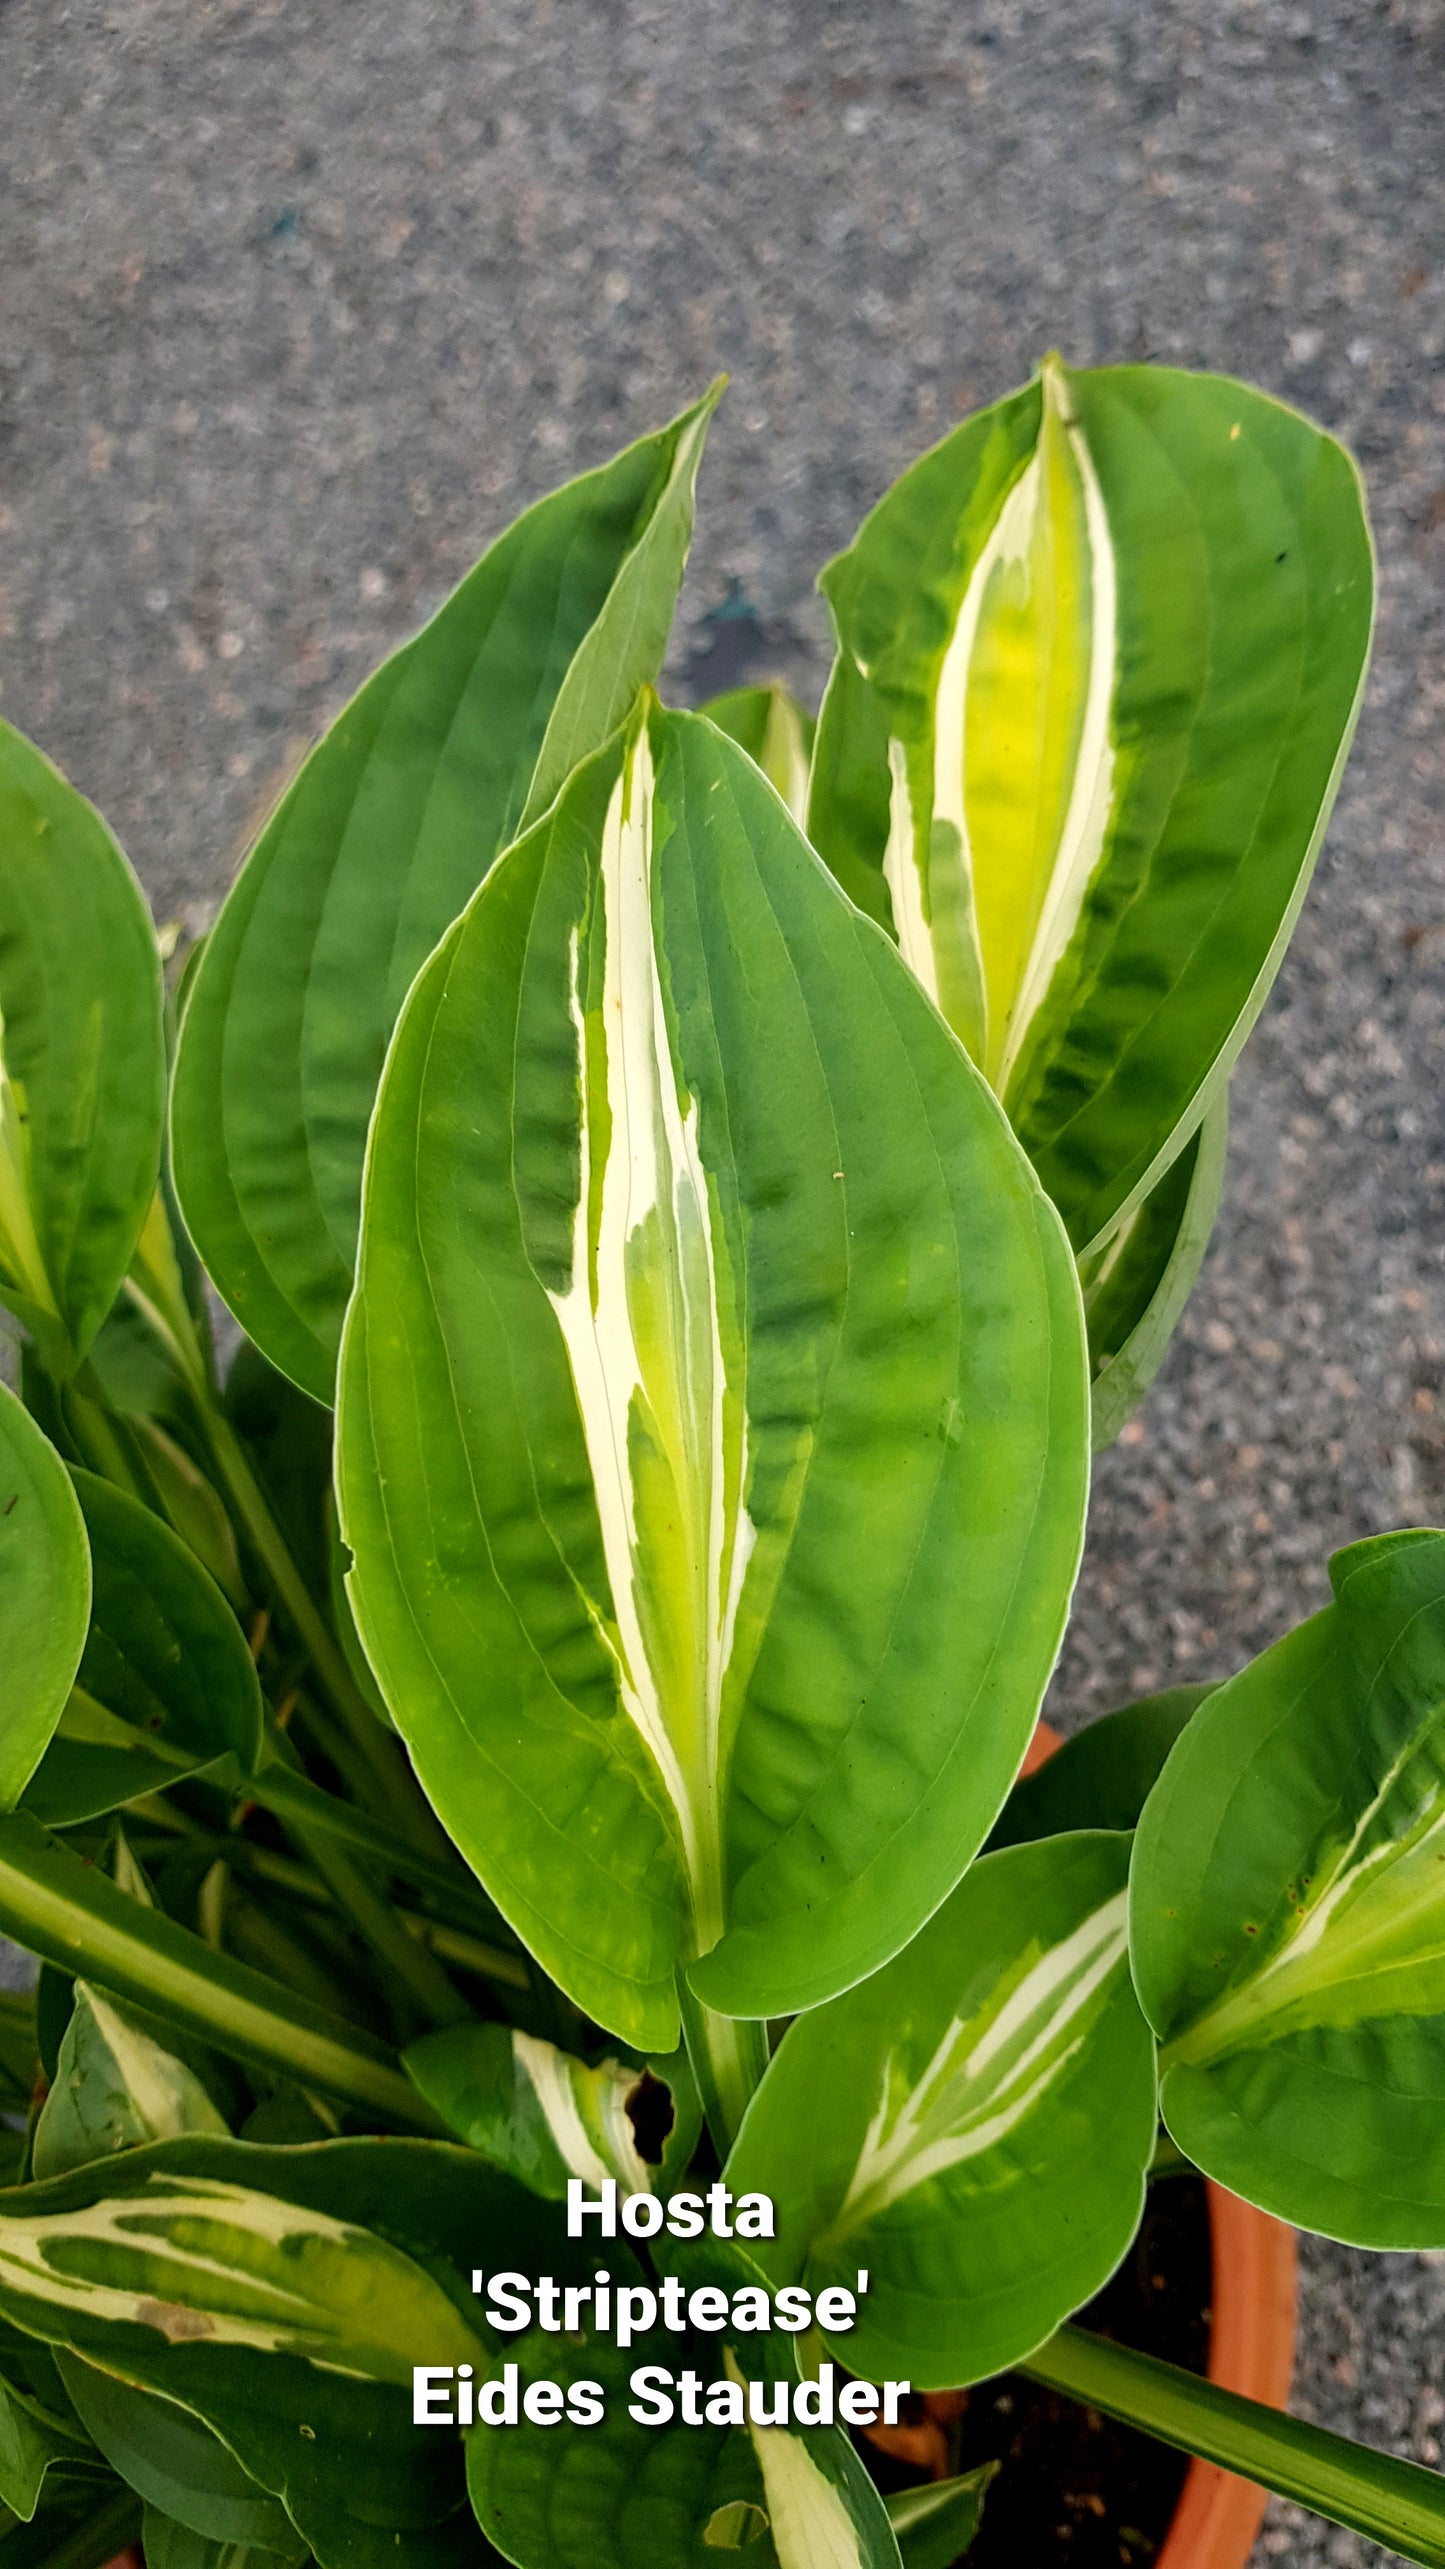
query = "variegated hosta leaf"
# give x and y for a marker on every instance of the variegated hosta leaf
(1288, 1912)
(972, 2126)
(44, 1594)
(461, 739)
(283, 2297)
(682, 2495)
(114, 2087)
(712, 1410)
(777, 733)
(541, 2113)
(1099, 660)
(1137, 1284)
(82, 1057)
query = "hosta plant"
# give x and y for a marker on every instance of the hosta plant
(537, 1693)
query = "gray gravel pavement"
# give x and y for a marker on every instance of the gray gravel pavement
(299, 303)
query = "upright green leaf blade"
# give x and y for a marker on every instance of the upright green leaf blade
(936, 2523)
(1138, 1283)
(686, 1222)
(44, 1594)
(371, 854)
(1287, 1908)
(972, 2127)
(82, 1060)
(167, 1683)
(777, 733)
(1100, 658)
(66, 1911)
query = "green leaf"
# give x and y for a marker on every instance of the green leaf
(167, 1684)
(1137, 1284)
(168, 2545)
(686, 1222)
(178, 2465)
(114, 2087)
(66, 1911)
(537, 2112)
(82, 1061)
(283, 2297)
(1288, 1913)
(971, 2127)
(1103, 1776)
(33, 2441)
(1100, 658)
(687, 2496)
(777, 733)
(936, 2523)
(1398, 2504)
(455, 743)
(44, 1594)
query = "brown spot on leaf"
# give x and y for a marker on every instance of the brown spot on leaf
(174, 2320)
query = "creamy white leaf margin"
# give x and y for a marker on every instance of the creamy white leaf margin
(641, 1319)
(585, 2111)
(930, 875)
(153, 2096)
(159, 2260)
(807, 2514)
(984, 2078)
(1369, 1941)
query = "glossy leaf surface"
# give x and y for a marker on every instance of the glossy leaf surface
(686, 1220)
(166, 1682)
(1100, 656)
(1288, 1912)
(82, 1064)
(1137, 1285)
(972, 2126)
(460, 738)
(272, 2291)
(45, 1584)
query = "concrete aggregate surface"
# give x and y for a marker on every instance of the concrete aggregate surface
(298, 305)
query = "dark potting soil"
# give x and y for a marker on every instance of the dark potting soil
(1075, 2491)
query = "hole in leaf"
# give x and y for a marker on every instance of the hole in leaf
(733, 2527)
(652, 2114)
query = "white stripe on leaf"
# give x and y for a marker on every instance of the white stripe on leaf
(200, 2260)
(989, 856)
(987, 2074)
(643, 1319)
